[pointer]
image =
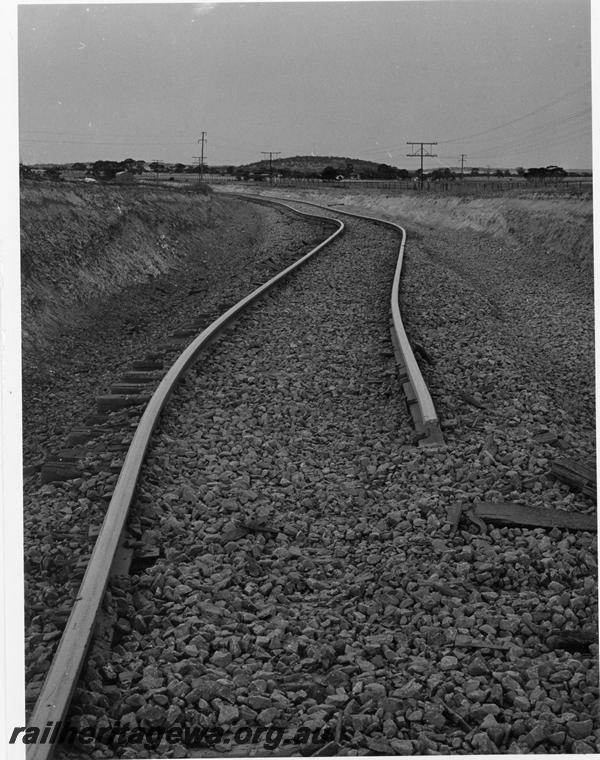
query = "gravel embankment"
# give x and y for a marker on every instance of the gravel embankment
(244, 246)
(309, 576)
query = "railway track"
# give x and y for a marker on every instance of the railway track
(297, 574)
(420, 403)
(53, 702)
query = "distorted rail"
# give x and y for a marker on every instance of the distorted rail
(55, 696)
(418, 397)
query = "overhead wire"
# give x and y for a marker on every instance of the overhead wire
(79, 139)
(565, 96)
(548, 133)
(518, 119)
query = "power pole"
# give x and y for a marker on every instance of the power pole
(462, 164)
(270, 153)
(200, 159)
(423, 150)
(201, 140)
(156, 163)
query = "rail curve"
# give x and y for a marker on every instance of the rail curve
(53, 701)
(418, 397)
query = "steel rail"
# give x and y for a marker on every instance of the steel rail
(61, 679)
(420, 403)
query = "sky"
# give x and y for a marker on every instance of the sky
(505, 82)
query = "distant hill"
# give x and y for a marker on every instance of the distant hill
(314, 165)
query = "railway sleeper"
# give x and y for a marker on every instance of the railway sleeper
(144, 557)
(113, 401)
(96, 419)
(67, 455)
(174, 344)
(139, 376)
(82, 435)
(576, 475)
(127, 388)
(53, 472)
(187, 332)
(32, 469)
(147, 364)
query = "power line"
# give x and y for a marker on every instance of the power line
(79, 138)
(586, 87)
(237, 144)
(522, 150)
(539, 131)
(423, 151)
(199, 159)
(164, 143)
(201, 140)
(157, 164)
(519, 118)
(270, 153)
(90, 131)
(535, 141)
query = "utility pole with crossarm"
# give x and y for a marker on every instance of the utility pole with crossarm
(201, 156)
(270, 154)
(421, 152)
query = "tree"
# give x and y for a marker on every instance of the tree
(105, 169)
(127, 165)
(474, 172)
(179, 168)
(53, 173)
(366, 172)
(384, 171)
(442, 174)
(329, 173)
(26, 172)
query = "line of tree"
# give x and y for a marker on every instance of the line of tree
(380, 172)
(338, 169)
(543, 172)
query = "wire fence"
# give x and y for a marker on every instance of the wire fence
(466, 186)
(457, 187)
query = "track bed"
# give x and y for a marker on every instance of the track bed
(270, 488)
(245, 245)
(304, 573)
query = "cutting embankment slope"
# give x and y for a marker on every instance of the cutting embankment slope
(107, 271)
(84, 243)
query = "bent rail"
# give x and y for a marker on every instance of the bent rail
(418, 397)
(415, 388)
(55, 696)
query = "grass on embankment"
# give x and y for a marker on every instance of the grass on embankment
(81, 243)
